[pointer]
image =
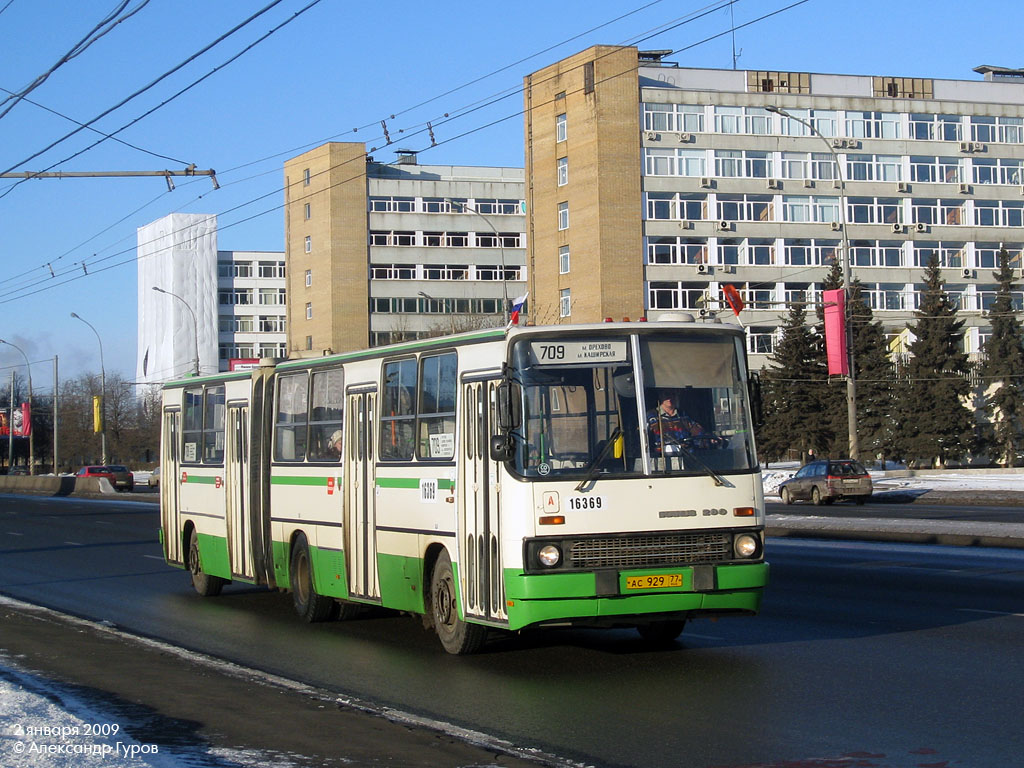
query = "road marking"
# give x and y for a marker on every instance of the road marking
(73, 543)
(154, 557)
(991, 613)
(14, 533)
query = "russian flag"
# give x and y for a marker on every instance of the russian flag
(517, 307)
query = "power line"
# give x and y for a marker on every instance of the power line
(104, 27)
(147, 87)
(417, 132)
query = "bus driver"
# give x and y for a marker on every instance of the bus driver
(668, 428)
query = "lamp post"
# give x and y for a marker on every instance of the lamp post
(31, 432)
(103, 392)
(504, 281)
(851, 379)
(195, 326)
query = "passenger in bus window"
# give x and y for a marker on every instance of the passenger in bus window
(669, 428)
(334, 444)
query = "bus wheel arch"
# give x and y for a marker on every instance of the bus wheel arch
(311, 606)
(203, 583)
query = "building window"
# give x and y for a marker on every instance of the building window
(305, 177)
(564, 303)
(563, 260)
(309, 244)
(309, 278)
(560, 127)
(563, 171)
(309, 342)
(309, 310)
(588, 77)
(563, 215)
(306, 211)
(271, 269)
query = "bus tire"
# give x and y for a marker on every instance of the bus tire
(203, 583)
(661, 632)
(311, 606)
(457, 636)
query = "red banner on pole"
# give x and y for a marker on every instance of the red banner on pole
(21, 422)
(835, 332)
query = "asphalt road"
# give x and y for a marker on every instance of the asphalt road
(891, 655)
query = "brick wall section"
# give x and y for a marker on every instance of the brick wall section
(337, 226)
(604, 190)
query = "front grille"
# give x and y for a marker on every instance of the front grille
(647, 551)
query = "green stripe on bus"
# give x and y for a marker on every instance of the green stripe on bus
(200, 479)
(411, 482)
(293, 480)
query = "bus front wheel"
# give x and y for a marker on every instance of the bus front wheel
(311, 606)
(203, 583)
(457, 636)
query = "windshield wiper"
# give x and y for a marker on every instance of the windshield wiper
(685, 449)
(596, 461)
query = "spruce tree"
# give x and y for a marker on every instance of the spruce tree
(1003, 367)
(791, 393)
(933, 424)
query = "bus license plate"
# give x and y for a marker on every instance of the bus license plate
(659, 581)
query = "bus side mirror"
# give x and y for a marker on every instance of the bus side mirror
(509, 406)
(502, 448)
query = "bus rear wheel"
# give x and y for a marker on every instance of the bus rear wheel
(203, 583)
(457, 636)
(310, 605)
(661, 632)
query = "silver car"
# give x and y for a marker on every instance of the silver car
(823, 482)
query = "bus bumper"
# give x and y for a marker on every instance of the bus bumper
(604, 599)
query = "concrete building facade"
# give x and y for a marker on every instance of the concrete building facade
(381, 252)
(651, 186)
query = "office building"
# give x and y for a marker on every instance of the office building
(382, 252)
(650, 186)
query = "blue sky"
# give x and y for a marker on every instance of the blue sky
(339, 66)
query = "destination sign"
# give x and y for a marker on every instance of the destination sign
(578, 352)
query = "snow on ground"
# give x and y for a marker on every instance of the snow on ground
(44, 725)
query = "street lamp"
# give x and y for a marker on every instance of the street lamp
(31, 432)
(103, 392)
(195, 326)
(851, 379)
(504, 280)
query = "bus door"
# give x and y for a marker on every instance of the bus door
(480, 563)
(236, 491)
(360, 496)
(170, 484)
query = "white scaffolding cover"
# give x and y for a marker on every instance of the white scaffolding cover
(177, 253)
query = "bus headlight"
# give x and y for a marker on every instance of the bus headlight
(549, 555)
(746, 545)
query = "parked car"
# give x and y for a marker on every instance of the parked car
(154, 478)
(823, 482)
(119, 476)
(18, 470)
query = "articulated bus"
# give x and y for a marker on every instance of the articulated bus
(493, 480)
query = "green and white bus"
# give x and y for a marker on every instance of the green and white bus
(492, 480)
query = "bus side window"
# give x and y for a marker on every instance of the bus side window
(398, 411)
(436, 426)
(290, 431)
(326, 415)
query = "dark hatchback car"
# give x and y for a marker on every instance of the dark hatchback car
(119, 476)
(823, 482)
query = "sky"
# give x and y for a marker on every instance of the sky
(332, 71)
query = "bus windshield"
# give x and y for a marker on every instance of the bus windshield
(660, 403)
